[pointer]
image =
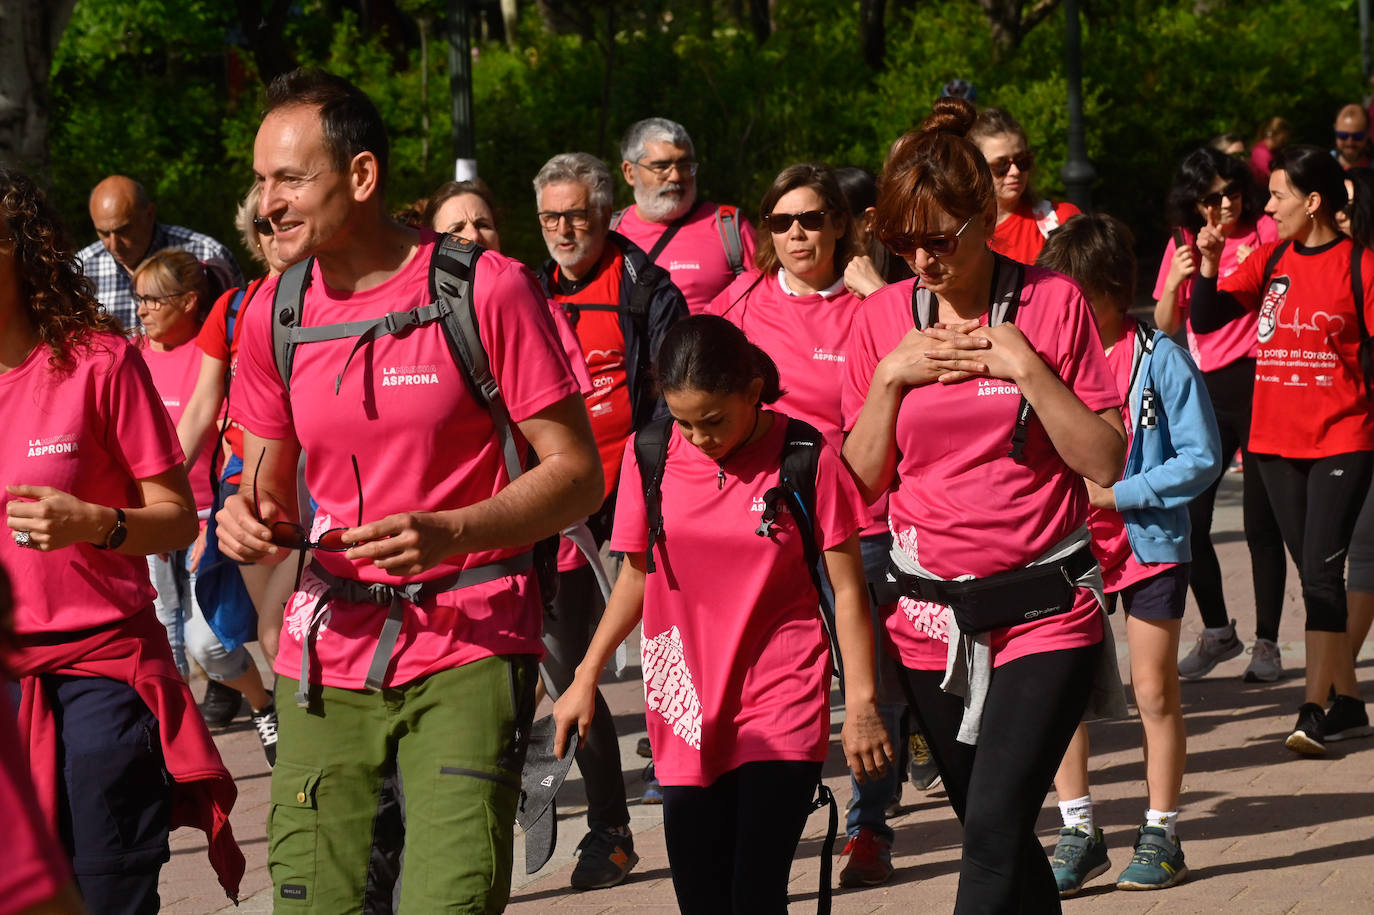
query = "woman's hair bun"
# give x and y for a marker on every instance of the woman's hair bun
(954, 116)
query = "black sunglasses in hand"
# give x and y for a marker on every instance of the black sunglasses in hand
(293, 536)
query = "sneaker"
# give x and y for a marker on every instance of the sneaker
(1309, 733)
(894, 805)
(644, 749)
(924, 775)
(1077, 858)
(652, 790)
(604, 858)
(869, 860)
(1346, 719)
(265, 720)
(220, 705)
(1210, 651)
(1157, 863)
(1266, 665)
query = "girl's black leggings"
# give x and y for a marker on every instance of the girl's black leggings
(998, 787)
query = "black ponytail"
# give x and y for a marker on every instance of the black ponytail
(708, 353)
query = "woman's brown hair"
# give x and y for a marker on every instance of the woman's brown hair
(822, 180)
(176, 272)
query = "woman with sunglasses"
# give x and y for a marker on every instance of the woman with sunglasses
(1212, 189)
(981, 419)
(171, 289)
(95, 483)
(1024, 218)
(1313, 438)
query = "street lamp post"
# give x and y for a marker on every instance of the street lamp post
(1078, 172)
(460, 89)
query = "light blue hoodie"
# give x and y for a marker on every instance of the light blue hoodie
(1175, 451)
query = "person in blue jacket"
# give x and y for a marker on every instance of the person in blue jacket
(1140, 533)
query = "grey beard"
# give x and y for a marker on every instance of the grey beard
(658, 206)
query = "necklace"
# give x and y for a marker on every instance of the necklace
(720, 464)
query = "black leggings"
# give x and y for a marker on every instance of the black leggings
(731, 844)
(1231, 388)
(1316, 501)
(997, 789)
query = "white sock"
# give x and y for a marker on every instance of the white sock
(1078, 814)
(1163, 819)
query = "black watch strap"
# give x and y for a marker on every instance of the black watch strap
(115, 538)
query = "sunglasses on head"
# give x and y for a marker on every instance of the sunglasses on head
(292, 536)
(1356, 136)
(262, 225)
(1023, 162)
(778, 223)
(933, 245)
(1214, 199)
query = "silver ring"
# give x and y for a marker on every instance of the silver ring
(22, 540)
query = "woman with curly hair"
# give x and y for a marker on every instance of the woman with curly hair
(95, 482)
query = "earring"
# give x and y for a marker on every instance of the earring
(1311, 215)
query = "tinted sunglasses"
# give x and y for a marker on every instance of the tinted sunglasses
(1229, 192)
(292, 536)
(934, 245)
(778, 223)
(1024, 163)
(1357, 135)
(262, 225)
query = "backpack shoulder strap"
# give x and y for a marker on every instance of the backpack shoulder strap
(288, 304)
(651, 454)
(616, 219)
(801, 459)
(727, 224)
(1141, 346)
(1272, 263)
(231, 314)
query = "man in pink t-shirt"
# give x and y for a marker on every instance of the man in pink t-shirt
(703, 245)
(412, 641)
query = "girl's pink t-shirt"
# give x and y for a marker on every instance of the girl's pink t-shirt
(175, 372)
(92, 432)
(1236, 339)
(962, 506)
(35, 866)
(422, 443)
(735, 659)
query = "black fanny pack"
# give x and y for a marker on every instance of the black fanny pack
(1007, 598)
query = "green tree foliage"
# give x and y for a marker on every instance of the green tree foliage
(168, 91)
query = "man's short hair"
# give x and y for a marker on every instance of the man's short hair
(351, 122)
(657, 130)
(583, 168)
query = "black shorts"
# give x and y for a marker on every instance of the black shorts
(1160, 597)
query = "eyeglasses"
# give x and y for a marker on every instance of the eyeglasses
(1213, 200)
(292, 536)
(933, 245)
(1024, 162)
(262, 225)
(1356, 136)
(154, 302)
(778, 223)
(578, 219)
(661, 167)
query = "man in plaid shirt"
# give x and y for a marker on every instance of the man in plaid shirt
(126, 221)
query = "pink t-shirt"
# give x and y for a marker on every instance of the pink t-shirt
(93, 432)
(695, 256)
(422, 444)
(35, 865)
(1235, 339)
(736, 664)
(175, 372)
(1111, 546)
(962, 506)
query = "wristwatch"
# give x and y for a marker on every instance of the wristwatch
(115, 538)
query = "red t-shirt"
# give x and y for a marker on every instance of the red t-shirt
(735, 659)
(695, 256)
(212, 342)
(175, 372)
(92, 432)
(962, 506)
(1021, 236)
(422, 444)
(1309, 390)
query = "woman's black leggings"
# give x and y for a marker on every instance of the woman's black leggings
(730, 844)
(1231, 388)
(997, 788)
(1317, 501)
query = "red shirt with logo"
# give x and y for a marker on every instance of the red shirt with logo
(1020, 236)
(1309, 397)
(213, 343)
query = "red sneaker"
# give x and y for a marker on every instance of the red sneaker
(870, 860)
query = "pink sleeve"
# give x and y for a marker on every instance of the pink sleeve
(630, 533)
(840, 511)
(572, 346)
(139, 432)
(35, 867)
(861, 361)
(1164, 265)
(1083, 365)
(513, 320)
(260, 401)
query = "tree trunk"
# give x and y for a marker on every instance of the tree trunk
(761, 19)
(264, 26)
(510, 15)
(873, 32)
(1009, 24)
(29, 33)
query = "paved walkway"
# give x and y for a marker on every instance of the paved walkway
(1264, 831)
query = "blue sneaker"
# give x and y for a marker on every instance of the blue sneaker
(1078, 858)
(652, 790)
(1157, 863)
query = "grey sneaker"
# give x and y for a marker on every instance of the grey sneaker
(1209, 652)
(1266, 665)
